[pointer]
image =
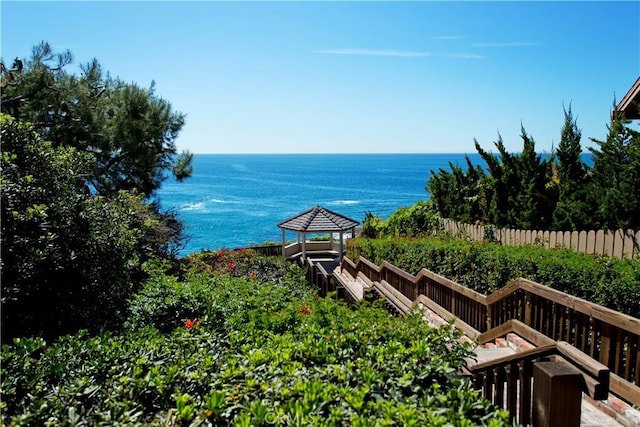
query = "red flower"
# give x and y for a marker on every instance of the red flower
(191, 323)
(305, 310)
(252, 275)
(231, 266)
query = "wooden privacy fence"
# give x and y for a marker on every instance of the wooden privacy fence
(605, 335)
(618, 243)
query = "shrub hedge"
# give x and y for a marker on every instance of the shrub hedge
(486, 267)
(248, 351)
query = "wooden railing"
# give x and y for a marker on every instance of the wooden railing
(267, 250)
(609, 337)
(615, 243)
(508, 381)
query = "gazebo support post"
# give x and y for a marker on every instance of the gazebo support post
(341, 245)
(304, 247)
(284, 245)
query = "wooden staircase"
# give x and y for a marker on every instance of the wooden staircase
(523, 333)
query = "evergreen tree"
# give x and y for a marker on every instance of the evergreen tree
(458, 194)
(572, 211)
(129, 132)
(516, 190)
(616, 176)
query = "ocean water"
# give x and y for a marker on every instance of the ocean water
(238, 200)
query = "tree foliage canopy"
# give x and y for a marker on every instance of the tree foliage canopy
(557, 192)
(128, 131)
(80, 157)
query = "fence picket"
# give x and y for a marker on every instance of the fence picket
(616, 243)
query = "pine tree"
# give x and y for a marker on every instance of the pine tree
(572, 212)
(516, 189)
(128, 130)
(616, 176)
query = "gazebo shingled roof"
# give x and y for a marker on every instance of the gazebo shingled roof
(318, 219)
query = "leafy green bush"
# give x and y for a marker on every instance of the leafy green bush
(70, 259)
(486, 267)
(263, 352)
(421, 219)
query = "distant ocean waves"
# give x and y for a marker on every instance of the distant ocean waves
(238, 200)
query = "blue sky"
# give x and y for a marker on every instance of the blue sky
(350, 77)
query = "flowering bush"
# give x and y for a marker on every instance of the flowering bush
(263, 353)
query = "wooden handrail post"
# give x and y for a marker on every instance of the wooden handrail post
(557, 395)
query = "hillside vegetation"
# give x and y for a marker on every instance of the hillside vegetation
(242, 340)
(486, 267)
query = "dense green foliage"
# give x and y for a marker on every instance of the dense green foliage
(572, 209)
(417, 220)
(262, 351)
(615, 177)
(128, 131)
(486, 267)
(69, 259)
(80, 157)
(556, 192)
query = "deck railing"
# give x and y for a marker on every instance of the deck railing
(607, 336)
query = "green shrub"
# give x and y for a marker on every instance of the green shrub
(486, 267)
(70, 259)
(421, 219)
(263, 352)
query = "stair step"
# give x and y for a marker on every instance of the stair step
(484, 354)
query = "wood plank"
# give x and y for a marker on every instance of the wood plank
(582, 242)
(599, 247)
(497, 332)
(512, 390)
(628, 244)
(574, 240)
(606, 344)
(393, 293)
(401, 308)
(591, 242)
(618, 243)
(608, 243)
(530, 334)
(460, 324)
(463, 290)
(628, 391)
(526, 377)
(585, 363)
(500, 383)
(499, 294)
(618, 353)
(607, 315)
(532, 354)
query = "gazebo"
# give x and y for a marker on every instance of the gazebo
(313, 221)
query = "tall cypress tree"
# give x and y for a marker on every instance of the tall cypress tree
(573, 210)
(616, 176)
(516, 187)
